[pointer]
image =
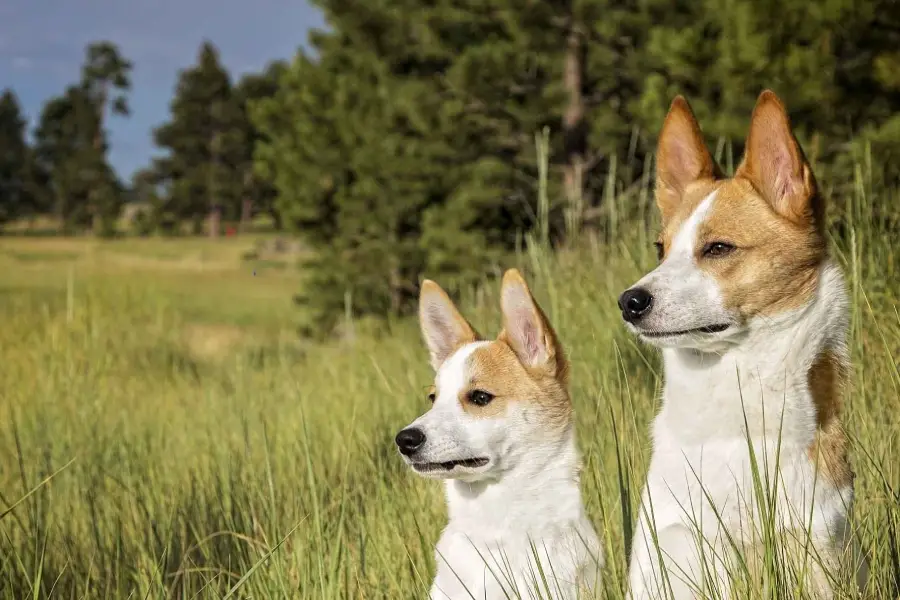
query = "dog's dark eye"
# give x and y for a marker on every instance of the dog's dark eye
(717, 249)
(660, 250)
(431, 397)
(480, 397)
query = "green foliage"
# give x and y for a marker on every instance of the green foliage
(106, 79)
(402, 141)
(70, 144)
(208, 166)
(362, 170)
(258, 193)
(20, 193)
(407, 144)
(64, 146)
(203, 140)
(104, 72)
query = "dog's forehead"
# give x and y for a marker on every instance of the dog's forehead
(680, 234)
(492, 364)
(729, 207)
(676, 221)
(741, 215)
(453, 374)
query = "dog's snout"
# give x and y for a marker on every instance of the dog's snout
(635, 303)
(410, 440)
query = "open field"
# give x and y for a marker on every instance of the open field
(208, 284)
(198, 452)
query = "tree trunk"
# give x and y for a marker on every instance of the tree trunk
(276, 219)
(215, 221)
(396, 289)
(101, 113)
(246, 214)
(574, 128)
(246, 204)
(212, 188)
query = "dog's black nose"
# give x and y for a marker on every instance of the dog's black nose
(410, 440)
(635, 303)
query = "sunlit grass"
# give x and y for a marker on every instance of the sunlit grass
(211, 454)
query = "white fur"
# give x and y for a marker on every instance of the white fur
(518, 516)
(723, 395)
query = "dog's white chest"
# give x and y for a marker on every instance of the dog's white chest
(721, 483)
(553, 566)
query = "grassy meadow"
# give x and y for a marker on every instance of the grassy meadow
(165, 435)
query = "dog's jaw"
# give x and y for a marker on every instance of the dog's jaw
(465, 469)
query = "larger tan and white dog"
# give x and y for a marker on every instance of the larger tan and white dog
(752, 316)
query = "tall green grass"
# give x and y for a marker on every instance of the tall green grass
(135, 469)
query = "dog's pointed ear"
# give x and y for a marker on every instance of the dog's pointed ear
(443, 327)
(682, 157)
(526, 329)
(775, 164)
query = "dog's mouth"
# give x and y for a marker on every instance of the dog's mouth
(447, 466)
(716, 328)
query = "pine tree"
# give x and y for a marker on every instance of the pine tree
(722, 53)
(69, 172)
(204, 141)
(258, 194)
(868, 75)
(64, 149)
(105, 77)
(501, 83)
(300, 151)
(15, 192)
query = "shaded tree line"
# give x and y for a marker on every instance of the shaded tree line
(403, 142)
(403, 139)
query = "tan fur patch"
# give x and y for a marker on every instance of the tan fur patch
(496, 369)
(830, 451)
(672, 221)
(776, 265)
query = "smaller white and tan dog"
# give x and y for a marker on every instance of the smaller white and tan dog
(500, 433)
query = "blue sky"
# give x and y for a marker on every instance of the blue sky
(42, 46)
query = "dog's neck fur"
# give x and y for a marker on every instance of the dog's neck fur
(765, 376)
(537, 494)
